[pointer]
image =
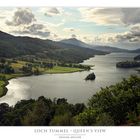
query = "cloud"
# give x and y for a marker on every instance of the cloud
(50, 11)
(130, 16)
(35, 30)
(111, 16)
(69, 29)
(22, 16)
(130, 37)
(4, 13)
(35, 27)
(2, 17)
(105, 16)
(24, 22)
(53, 10)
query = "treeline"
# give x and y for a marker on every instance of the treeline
(114, 105)
(39, 112)
(34, 68)
(5, 67)
(85, 67)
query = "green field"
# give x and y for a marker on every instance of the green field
(1, 87)
(59, 69)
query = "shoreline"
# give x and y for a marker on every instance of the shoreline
(4, 92)
(6, 82)
(4, 88)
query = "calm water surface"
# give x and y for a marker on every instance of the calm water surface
(71, 86)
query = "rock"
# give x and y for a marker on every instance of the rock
(91, 76)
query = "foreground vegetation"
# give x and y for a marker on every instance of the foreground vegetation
(114, 105)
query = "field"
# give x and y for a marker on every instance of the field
(55, 69)
(1, 87)
(59, 69)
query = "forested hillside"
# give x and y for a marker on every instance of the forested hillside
(11, 46)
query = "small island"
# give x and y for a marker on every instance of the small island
(91, 76)
(137, 58)
(128, 64)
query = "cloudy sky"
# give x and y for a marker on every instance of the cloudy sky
(118, 27)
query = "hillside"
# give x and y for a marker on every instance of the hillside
(109, 49)
(106, 49)
(12, 46)
(135, 51)
(76, 42)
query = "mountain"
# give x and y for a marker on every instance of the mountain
(16, 46)
(135, 51)
(76, 42)
(79, 43)
(110, 49)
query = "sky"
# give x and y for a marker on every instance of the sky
(119, 27)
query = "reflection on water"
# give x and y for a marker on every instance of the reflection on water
(71, 85)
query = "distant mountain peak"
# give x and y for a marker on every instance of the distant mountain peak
(76, 42)
(71, 39)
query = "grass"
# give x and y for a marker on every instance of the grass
(55, 69)
(17, 65)
(59, 69)
(10, 76)
(2, 83)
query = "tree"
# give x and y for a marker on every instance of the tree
(87, 118)
(62, 120)
(104, 119)
(2, 60)
(36, 72)
(38, 116)
(118, 100)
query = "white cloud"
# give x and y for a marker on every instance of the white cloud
(70, 30)
(23, 22)
(111, 16)
(131, 16)
(51, 11)
(104, 16)
(129, 37)
(22, 16)
(38, 30)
